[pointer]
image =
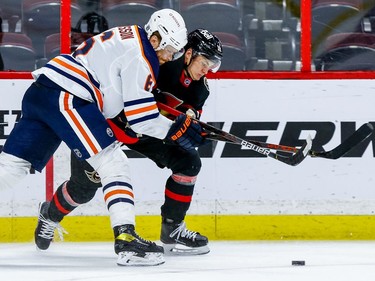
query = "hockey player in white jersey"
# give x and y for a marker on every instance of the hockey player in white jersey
(71, 99)
(184, 78)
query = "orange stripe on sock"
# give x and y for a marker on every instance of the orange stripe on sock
(118, 191)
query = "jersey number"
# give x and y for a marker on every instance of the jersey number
(149, 83)
(86, 46)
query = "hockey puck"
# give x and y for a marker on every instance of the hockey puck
(298, 262)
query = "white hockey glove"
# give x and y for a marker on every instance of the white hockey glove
(192, 113)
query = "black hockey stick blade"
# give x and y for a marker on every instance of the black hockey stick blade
(298, 157)
(356, 138)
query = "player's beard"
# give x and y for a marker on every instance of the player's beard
(162, 59)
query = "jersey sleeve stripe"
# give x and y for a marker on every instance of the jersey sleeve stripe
(83, 74)
(71, 77)
(76, 80)
(141, 110)
(143, 119)
(71, 67)
(139, 101)
(74, 62)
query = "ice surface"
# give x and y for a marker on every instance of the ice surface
(247, 260)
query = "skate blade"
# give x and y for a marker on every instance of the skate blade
(181, 250)
(131, 259)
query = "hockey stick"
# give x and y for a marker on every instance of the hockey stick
(171, 102)
(356, 138)
(279, 147)
(353, 140)
(212, 131)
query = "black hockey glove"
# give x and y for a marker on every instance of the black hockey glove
(186, 132)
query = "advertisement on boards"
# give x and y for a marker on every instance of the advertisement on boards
(24, 198)
(234, 179)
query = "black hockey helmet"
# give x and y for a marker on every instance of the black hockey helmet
(206, 44)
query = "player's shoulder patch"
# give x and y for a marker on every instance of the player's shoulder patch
(205, 82)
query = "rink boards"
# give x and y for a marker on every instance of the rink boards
(238, 195)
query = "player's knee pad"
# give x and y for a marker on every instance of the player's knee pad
(188, 164)
(111, 164)
(80, 193)
(12, 169)
(83, 173)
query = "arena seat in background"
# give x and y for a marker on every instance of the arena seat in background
(334, 16)
(348, 51)
(271, 44)
(128, 12)
(41, 18)
(17, 52)
(215, 16)
(10, 12)
(52, 43)
(234, 56)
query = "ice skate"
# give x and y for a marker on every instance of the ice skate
(133, 250)
(45, 229)
(178, 240)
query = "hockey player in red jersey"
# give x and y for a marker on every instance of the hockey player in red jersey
(71, 99)
(185, 79)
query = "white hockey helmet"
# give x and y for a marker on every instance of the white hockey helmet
(171, 27)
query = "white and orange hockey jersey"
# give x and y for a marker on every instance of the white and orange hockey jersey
(117, 70)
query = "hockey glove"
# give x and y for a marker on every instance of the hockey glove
(186, 132)
(122, 133)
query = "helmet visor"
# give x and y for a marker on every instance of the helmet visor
(216, 65)
(212, 63)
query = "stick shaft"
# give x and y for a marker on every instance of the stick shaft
(356, 138)
(293, 160)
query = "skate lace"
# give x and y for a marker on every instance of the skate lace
(48, 229)
(182, 231)
(139, 238)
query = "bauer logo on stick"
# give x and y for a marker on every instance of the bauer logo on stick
(256, 148)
